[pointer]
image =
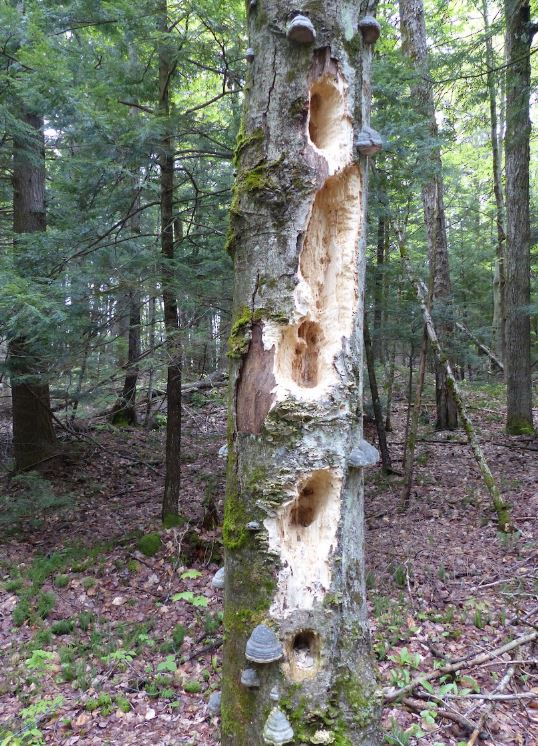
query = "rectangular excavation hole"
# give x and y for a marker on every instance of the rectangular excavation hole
(304, 655)
(303, 534)
(304, 368)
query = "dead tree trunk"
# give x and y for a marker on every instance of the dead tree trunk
(293, 524)
(413, 29)
(519, 33)
(33, 434)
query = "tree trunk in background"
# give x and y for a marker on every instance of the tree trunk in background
(377, 341)
(498, 326)
(125, 409)
(517, 268)
(293, 526)
(413, 30)
(172, 484)
(376, 402)
(33, 434)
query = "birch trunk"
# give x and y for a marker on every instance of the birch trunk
(413, 29)
(293, 527)
(517, 154)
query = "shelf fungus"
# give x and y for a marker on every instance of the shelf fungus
(250, 678)
(370, 29)
(253, 526)
(277, 729)
(218, 579)
(368, 141)
(213, 704)
(263, 646)
(301, 30)
(363, 454)
(249, 55)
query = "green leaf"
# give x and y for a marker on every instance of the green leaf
(190, 574)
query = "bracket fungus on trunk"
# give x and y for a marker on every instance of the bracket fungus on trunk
(301, 30)
(263, 646)
(277, 729)
(218, 578)
(370, 29)
(368, 141)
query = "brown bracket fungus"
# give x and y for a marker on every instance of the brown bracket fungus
(370, 29)
(277, 729)
(249, 55)
(301, 30)
(368, 141)
(218, 579)
(263, 646)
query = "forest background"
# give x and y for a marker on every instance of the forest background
(123, 119)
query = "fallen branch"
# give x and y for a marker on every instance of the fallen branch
(500, 506)
(391, 695)
(480, 346)
(418, 705)
(475, 735)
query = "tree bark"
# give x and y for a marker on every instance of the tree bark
(170, 509)
(499, 319)
(293, 526)
(519, 34)
(33, 435)
(376, 402)
(413, 30)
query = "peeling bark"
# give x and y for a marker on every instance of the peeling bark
(297, 232)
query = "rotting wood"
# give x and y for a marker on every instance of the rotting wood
(501, 507)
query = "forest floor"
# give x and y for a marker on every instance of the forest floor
(102, 643)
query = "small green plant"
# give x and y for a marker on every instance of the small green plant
(178, 635)
(149, 544)
(88, 583)
(405, 658)
(61, 581)
(21, 613)
(133, 566)
(40, 660)
(190, 598)
(192, 687)
(85, 619)
(190, 574)
(14, 585)
(400, 576)
(62, 627)
(168, 664)
(120, 658)
(46, 602)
